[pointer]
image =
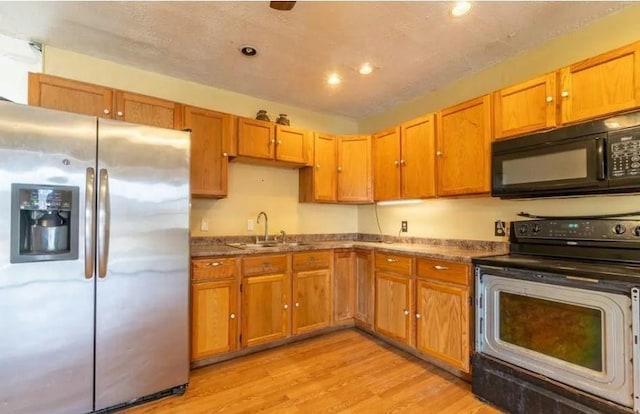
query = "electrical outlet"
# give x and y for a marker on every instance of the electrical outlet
(204, 225)
(249, 225)
(404, 227)
(499, 228)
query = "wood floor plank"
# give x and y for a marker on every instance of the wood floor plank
(342, 372)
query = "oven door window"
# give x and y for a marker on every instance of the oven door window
(567, 332)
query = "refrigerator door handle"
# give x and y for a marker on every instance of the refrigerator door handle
(104, 214)
(89, 224)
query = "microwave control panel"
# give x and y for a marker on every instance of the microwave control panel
(624, 154)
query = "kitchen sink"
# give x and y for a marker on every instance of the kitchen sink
(264, 245)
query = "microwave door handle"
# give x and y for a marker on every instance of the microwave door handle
(600, 172)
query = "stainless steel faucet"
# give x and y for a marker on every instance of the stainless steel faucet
(266, 225)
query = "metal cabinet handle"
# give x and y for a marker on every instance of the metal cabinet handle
(272, 141)
(396, 163)
(402, 162)
(549, 98)
(406, 312)
(106, 112)
(286, 306)
(297, 304)
(438, 153)
(89, 224)
(418, 316)
(564, 94)
(224, 154)
(438, 267)
(339, 169)
(390, 260)
(317, 166)
(104, 218)
(232, 316)
(279, 141)
(120, 113)
(214, 264)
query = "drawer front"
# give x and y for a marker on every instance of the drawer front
(394, 263)
(311, 260)
(264, 265)
(220, 268)
(451, 272)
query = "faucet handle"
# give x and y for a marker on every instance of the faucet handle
(282, 236)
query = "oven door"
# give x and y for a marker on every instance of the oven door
(524, 167)
(579, 337)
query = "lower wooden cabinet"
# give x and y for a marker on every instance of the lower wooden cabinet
(311, 306)
(364, 288)
(265, 308)
(393, 307)
(344, 286)
(214, 327)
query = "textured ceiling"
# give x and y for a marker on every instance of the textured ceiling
(415, 46)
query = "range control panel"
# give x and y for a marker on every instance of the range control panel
(580, 229)
(624, 153)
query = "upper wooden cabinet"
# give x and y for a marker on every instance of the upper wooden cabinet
(341, 171)
(84, 98)
(211, 135)
(269, 141)
(71, 96)
(404, 165)
(464, 148)
(601, 85)
(526, 107)
(147, 110)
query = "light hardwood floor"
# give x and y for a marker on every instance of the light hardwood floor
(342, 372)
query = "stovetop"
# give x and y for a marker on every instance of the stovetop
(595, 269)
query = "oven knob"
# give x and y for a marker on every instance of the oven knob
(522, 229)
(636, 231)
(619, 229)
(536, 228)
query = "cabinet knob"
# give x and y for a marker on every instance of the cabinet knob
(119, 113)
(339, 169)
(564, 94)
(297, 305)
(224, 154)
(549, 98)
(106, 112)
(232, 316)
(279, 141)
(272, 141)
(406, 312)
(390, 260)
(214, 264)
(317, 166)
(438, 153)
(402, 162)
(286, 306)
(396, 163)
(418, 316)
(438, 267)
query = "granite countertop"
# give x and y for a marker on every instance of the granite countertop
(463, 252)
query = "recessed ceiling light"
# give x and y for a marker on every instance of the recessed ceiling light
(249, 51)
(365, 69)
(460, 8)
(334, 79)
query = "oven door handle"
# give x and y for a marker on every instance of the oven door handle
(600, 159)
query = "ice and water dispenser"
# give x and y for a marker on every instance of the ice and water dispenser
(44, 223)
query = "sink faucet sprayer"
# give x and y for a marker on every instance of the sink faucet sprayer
(266, 225)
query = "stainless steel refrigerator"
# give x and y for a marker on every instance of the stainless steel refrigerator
(94, 259)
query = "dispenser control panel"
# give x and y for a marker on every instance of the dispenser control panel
(45, 199)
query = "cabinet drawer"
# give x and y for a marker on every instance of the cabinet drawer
(219, 268)
(263, 265)
(311, 260)
(394, 263)
(444, 271)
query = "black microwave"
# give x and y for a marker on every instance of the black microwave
(598, 157)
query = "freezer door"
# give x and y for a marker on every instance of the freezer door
(46, 308)
(143, 262)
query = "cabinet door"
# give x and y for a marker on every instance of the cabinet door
(393, 306)
(526, 107)
(464, 148)
(256, 138)
(70, 96)
(386, 165)
(417, 164)
(344, 295)
(265, 308)
(601, 85)
(312, 300)
(146, 110)
(292, 145)
(354, 169)
(214, 326)
(210, 139)
(325, 170)
(364, 288)
(443, 323)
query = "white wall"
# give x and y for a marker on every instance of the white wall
(17, 59)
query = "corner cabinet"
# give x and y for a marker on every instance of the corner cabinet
(364, 280)
(214, 307)
(211, 135)
(463, 150)
(443, 308)
(268, 141)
